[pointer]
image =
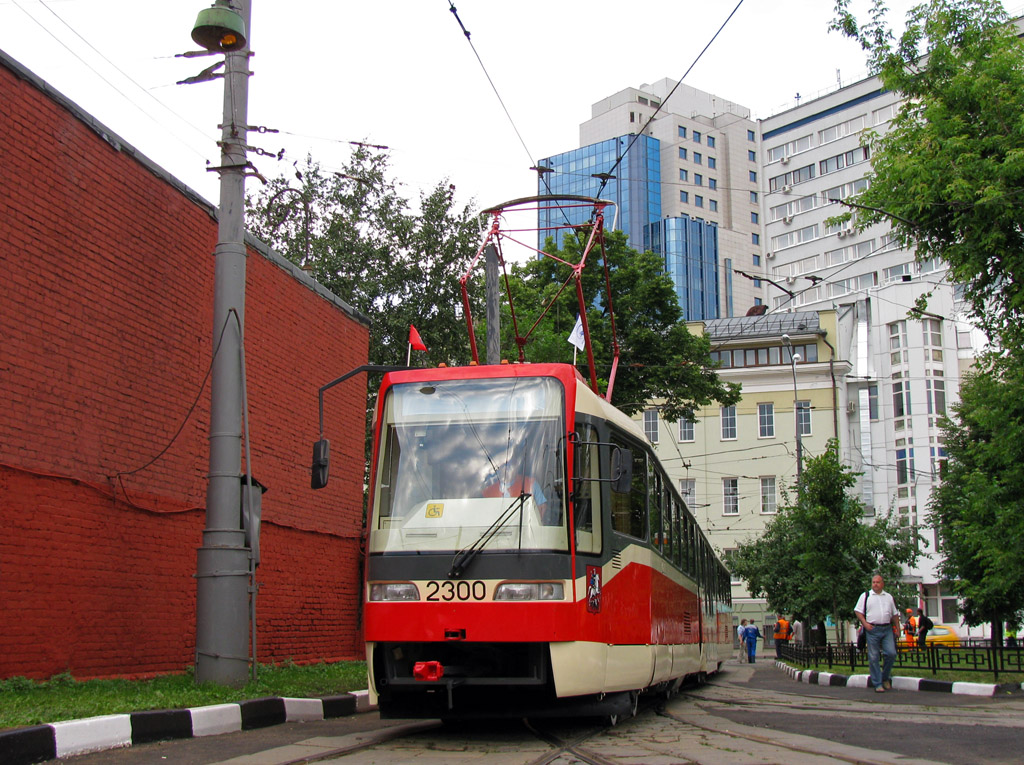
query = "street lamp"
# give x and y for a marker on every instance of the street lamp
(793, 358)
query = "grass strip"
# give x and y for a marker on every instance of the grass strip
(29, 702)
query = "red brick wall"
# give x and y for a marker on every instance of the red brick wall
(106, 294)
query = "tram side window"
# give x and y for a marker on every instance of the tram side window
(587, 492)
(392, 451)
(629, 510)
(657, 533)
(677, 548)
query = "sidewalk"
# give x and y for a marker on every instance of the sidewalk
(779, 676)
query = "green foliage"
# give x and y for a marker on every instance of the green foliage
(949, 175)
(27, 702)
(978, 510)
(817, 555)
(659, 358)
(396, 265)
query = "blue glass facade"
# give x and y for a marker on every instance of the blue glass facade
(635, 190)
(688, 245)
(690, 249)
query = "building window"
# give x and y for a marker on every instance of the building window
(753, 197)
(755, 239)
(682, 132)
(696, 136)
(651, 425)
(682, 153)
(713, 205)
(757, 259)
(751, 136)
(711, 142)
(898, 342)
(730, 496)
(684, 175)
(712, 163)
(753, 176)
(684, 196)
(698, 200)
(769, 504)
(752, 155)
(754, 218)
(766, 420)
(698, 158)
(803, 417)
(688, 489)
(904, 465)
(698, 179)
(873, 402)
(932, 329)
(685, 430)
(901, 399)
(712, 183)
(936, 396)
(728, 414)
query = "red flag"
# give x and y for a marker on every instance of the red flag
(415, 340)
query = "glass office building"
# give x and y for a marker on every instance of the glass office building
(634, 188)
(688, 245)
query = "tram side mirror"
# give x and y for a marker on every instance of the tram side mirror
(622, 470)
(321, 462)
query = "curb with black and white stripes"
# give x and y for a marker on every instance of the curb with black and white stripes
(899, 683)
(64, 739)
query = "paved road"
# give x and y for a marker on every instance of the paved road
(748, 714)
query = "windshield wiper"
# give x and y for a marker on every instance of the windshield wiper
(465, 555)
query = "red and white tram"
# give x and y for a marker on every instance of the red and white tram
(527, 553)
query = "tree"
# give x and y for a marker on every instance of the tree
(660, 359)
(817, 555)
(978, 509)
(949, 174)
(370, 248)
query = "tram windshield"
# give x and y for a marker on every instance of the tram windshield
(471, 462)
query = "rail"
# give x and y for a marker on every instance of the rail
(971, 658)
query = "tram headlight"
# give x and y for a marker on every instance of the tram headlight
(529, 591)
(391, 591)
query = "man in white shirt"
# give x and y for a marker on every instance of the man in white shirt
(877, 613)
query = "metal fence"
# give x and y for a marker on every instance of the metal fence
(972, 658)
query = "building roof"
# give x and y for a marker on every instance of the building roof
(766, 325)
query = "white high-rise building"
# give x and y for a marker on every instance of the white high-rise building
(905, 371)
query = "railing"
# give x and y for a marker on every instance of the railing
(973, 658)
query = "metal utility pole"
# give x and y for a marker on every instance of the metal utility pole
(492, 282)
(222, 634)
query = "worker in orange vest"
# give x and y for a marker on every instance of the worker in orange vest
(910, 627)
(783, 632)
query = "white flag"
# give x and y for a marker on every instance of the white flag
(576, 336)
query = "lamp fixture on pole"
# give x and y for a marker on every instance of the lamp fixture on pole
(793, 358)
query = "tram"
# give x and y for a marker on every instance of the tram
(526, 553)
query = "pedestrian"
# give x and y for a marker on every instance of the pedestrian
(1011, 635)
(783, 632)
(923, 625)
(878, 615)
(751, 634)
(741, 633)
(798, 632)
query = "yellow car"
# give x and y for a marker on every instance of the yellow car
(939, 634)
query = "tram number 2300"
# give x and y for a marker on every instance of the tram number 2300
(456, 590)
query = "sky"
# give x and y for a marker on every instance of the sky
(400, 73)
